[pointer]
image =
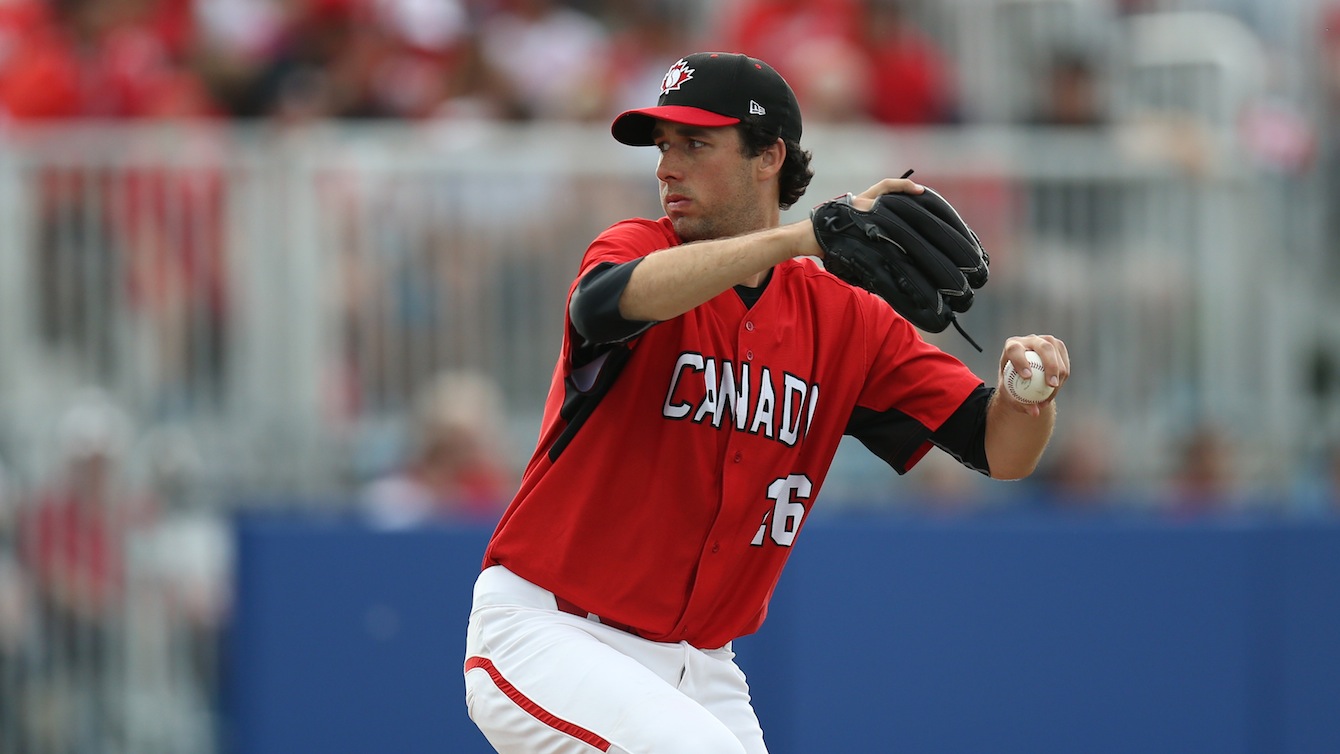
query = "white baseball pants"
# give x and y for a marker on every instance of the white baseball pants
(541, 681)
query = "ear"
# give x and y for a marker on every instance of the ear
(771, 159)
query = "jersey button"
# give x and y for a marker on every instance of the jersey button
(716, 546)
(739, 456)
(749, 355)
(749, 326)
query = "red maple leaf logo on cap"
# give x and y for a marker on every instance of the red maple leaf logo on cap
(676, 76)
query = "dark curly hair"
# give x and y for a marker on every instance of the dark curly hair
(796, 171)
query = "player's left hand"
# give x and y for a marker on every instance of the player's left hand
(1055, 364)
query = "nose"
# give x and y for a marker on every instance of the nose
(667, 167)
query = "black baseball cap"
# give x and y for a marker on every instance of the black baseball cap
(714, 89)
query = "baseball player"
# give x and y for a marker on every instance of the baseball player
(708, 371)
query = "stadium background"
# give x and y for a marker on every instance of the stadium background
(242, 241)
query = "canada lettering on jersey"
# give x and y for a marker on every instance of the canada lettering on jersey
(707, 390)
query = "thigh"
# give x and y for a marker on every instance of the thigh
(713, 680)
(539, 681)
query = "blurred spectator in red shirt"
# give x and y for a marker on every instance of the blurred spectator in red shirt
(73, 539)
(835, 84)
(39, 78)
(73, 533)
(853, 60)
(774, 30)
(912, 81)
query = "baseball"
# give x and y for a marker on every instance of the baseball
(1032, 390)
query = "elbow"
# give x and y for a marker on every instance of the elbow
(585, 321)
(1012, 474)
(1012, 470)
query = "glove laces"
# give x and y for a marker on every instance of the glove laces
(954, 321)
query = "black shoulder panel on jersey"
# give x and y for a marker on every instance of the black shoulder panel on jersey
(895, 437)
(594, 307)
(584, 389)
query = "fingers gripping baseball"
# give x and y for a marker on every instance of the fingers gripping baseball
(1032, 369)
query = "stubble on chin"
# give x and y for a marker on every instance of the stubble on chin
(690, 230)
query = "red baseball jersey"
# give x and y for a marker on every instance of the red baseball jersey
(673, 474)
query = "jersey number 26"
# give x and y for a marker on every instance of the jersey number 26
(782, 521)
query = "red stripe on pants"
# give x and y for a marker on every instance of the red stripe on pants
(533, 709)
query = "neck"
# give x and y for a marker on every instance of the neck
(755, 281)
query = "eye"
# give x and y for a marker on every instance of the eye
(696, 144)
(663, 146)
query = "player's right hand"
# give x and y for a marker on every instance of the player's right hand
(866, 199)
(1055, 361)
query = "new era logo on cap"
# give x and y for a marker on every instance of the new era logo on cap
(712, 90)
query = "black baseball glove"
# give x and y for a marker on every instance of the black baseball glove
(912, 250)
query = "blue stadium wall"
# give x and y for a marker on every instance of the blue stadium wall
(993, 636)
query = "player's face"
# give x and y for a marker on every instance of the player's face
(709, 187)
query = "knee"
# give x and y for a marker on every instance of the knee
(710, 738)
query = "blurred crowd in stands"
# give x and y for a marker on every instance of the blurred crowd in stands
(862, 60)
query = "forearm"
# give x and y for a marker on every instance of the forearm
(1015, 439)
(672, 281)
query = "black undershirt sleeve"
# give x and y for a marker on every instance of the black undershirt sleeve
(896, 437)
(963, 435)
(594, 307)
